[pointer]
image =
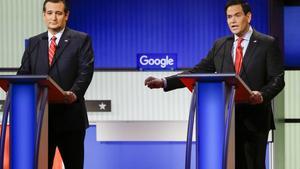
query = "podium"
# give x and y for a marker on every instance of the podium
(213, 101)
(27, 102)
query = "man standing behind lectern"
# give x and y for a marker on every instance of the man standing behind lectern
(67, 57)
(257, 59)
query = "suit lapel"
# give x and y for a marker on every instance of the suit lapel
(249, 52)
(63, 43)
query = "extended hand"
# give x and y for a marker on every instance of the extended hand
(256, 97)
(153, 82)
(70, 97)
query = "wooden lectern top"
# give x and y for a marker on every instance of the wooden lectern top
(55, 92)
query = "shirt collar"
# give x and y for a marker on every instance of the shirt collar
(246, 36)
(57, 35)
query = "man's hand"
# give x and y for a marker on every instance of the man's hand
(256, 97)
(153, 82)
(70, 97)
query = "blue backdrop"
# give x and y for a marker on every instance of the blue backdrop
(122, 28)
(292, 37)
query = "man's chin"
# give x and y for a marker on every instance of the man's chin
(236, 32)
(56, 29)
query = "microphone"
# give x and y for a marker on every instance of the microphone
(45, 37)
(221, 46)
(26, 57)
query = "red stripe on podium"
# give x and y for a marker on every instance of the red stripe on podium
(6, 148)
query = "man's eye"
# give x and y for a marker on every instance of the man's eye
(238, 15)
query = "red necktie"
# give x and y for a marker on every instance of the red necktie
(240, 94)
(238, 56)
(52, 49)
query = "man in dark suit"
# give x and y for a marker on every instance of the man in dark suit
(257, 59)
(67, 57)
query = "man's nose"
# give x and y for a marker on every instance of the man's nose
(233, 20)
(54, 17)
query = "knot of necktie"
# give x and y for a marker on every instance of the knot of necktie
(240, 40)
(53, 38)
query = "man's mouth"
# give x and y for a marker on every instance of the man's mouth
(234, 26)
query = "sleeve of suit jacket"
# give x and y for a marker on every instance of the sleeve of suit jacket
(206, 65)
(274, 72)
(85, 68)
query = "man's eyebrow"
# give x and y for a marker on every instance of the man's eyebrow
(234, 14)
(54, 11)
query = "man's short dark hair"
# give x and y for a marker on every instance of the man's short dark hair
(245, 5)
(66, 10)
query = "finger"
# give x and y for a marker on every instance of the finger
(149, 79)
(147, 84)
(150, 85)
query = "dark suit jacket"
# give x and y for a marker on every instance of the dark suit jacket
(72, 69)
(262, 70)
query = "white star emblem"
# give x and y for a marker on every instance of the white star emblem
(102, 106)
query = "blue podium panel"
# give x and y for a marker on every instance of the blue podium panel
(23, 125)
(210, 125)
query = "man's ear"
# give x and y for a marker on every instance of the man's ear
(249, 16)
(67, 16)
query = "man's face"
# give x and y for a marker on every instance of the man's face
(237, 21)
(54, 16)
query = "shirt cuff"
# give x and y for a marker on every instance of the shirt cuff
(165, 82)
